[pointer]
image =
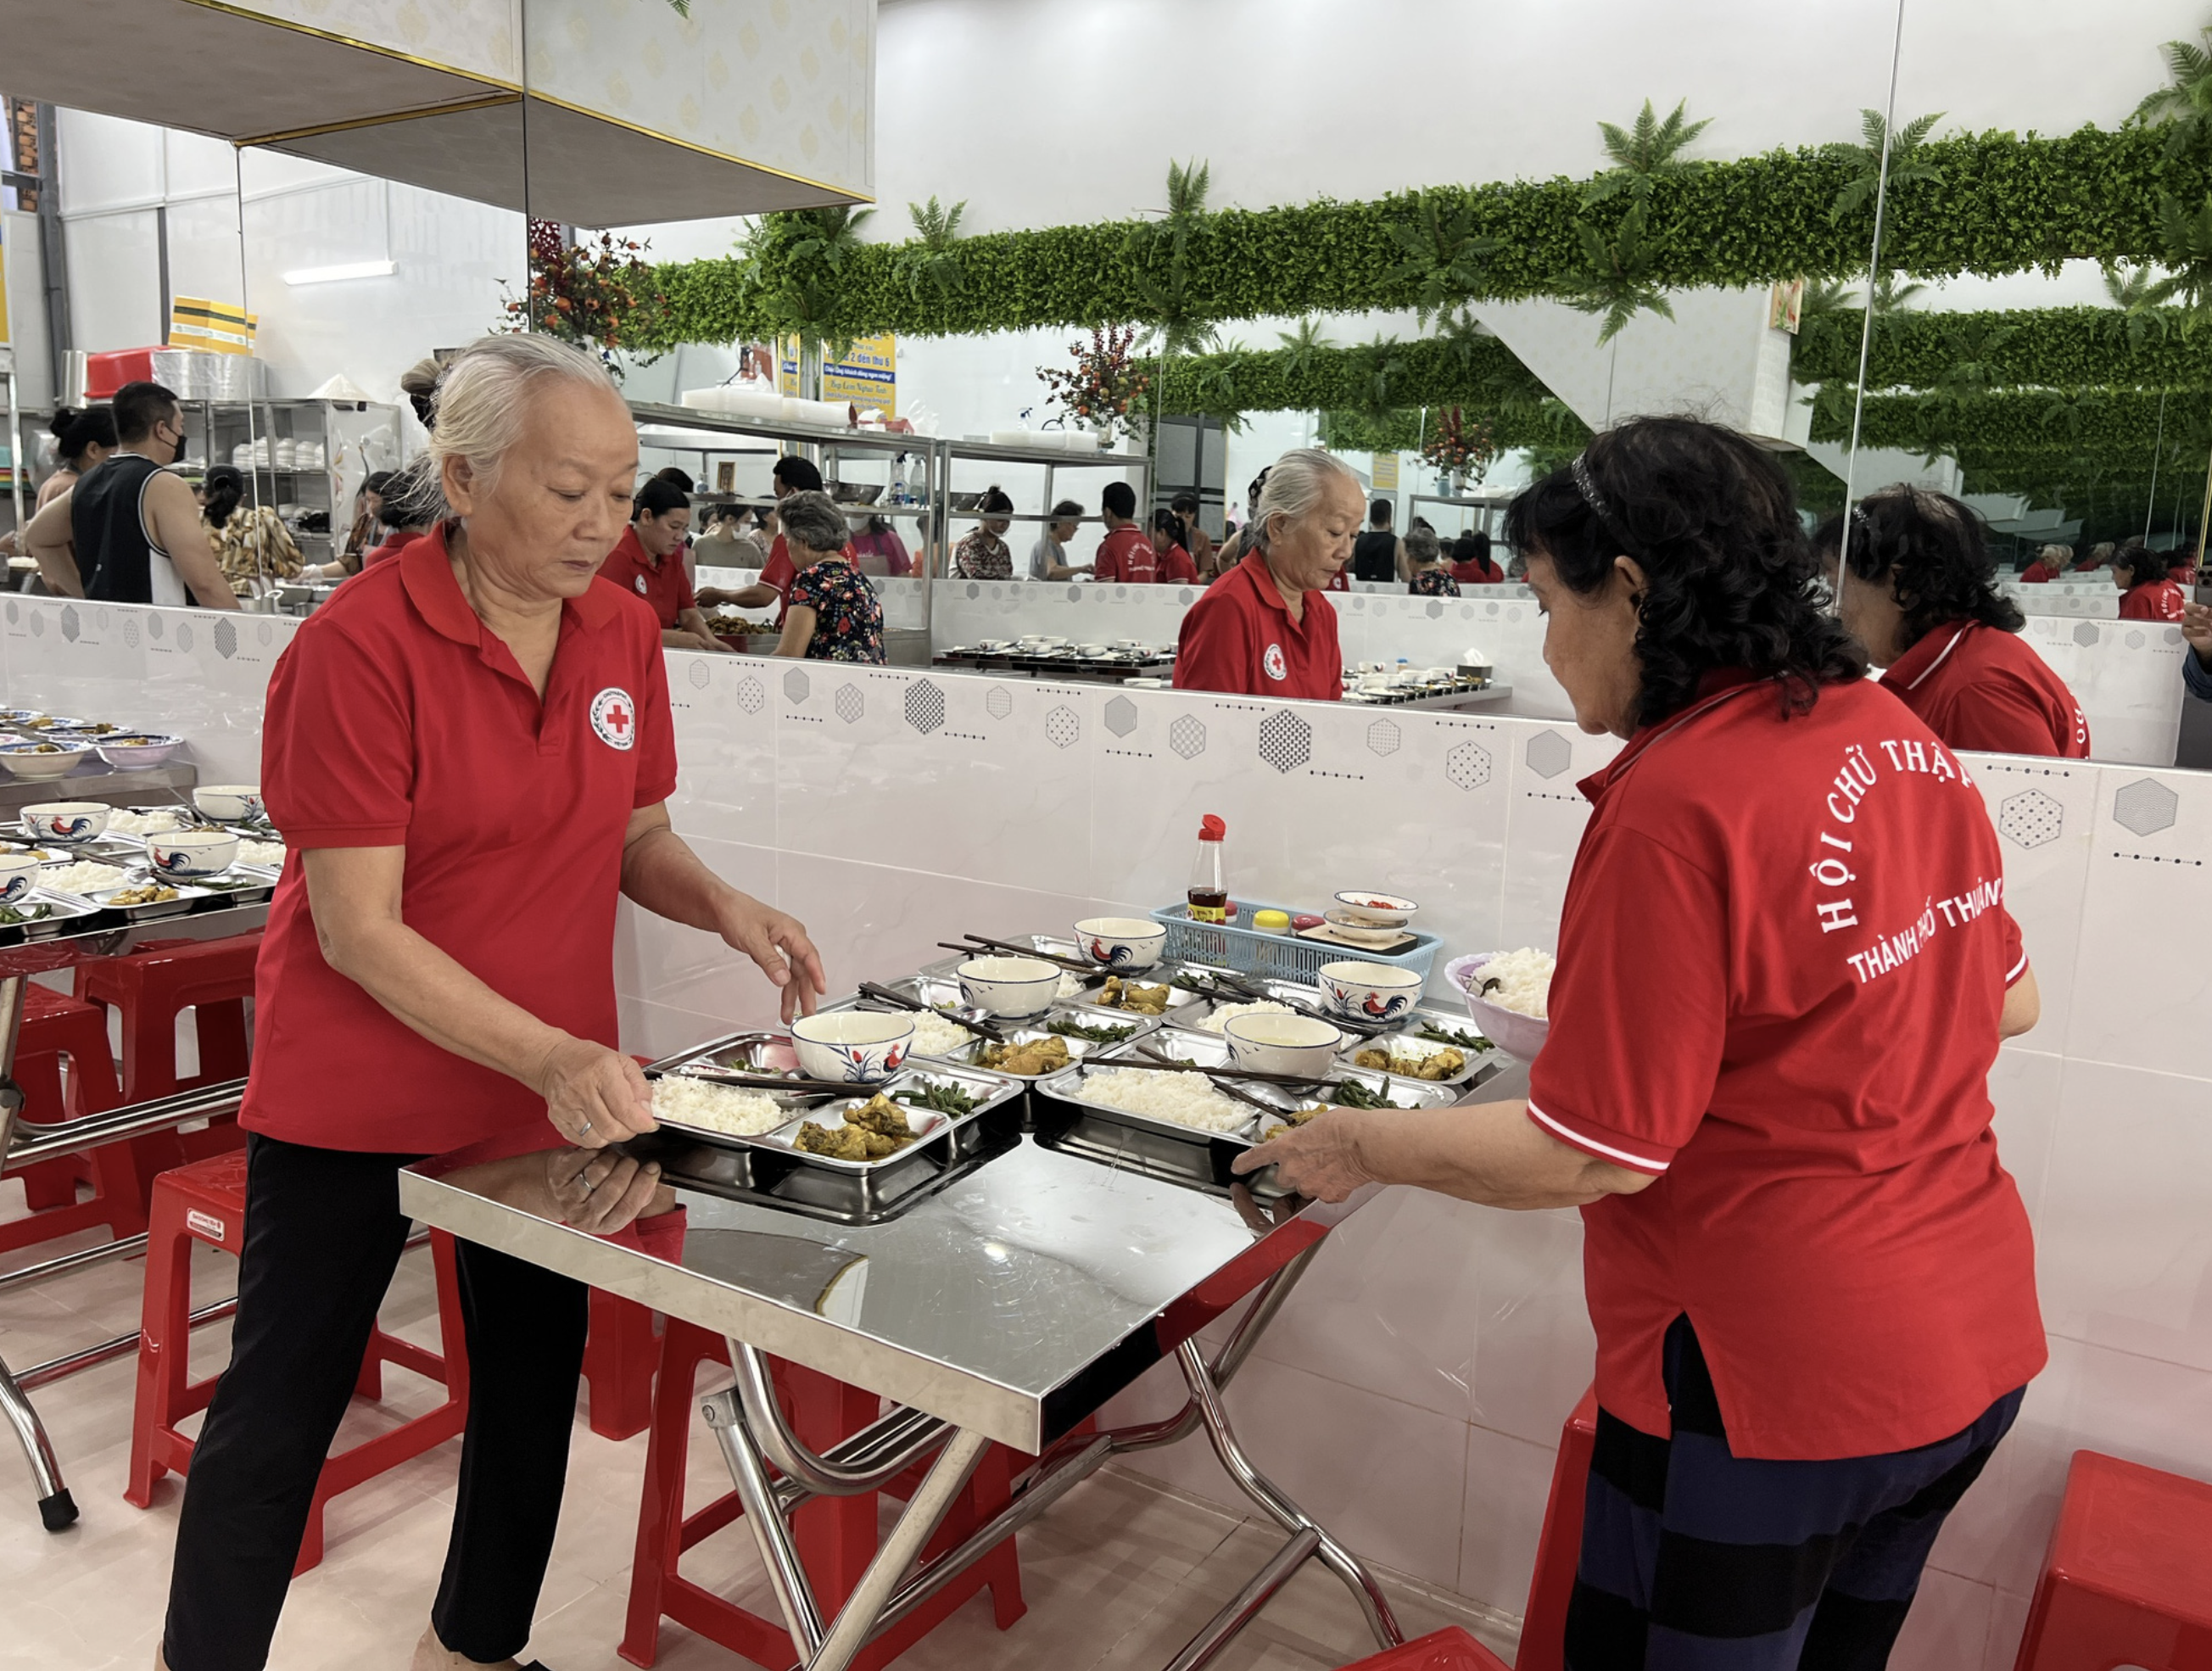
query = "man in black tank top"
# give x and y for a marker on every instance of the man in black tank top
(129, 531)
(1377, 555)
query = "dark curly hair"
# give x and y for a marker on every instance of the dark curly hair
(1712, 521)
(2143, 565)
(1930, 548)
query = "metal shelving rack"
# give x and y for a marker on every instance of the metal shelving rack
(829, 448)
(1052, 458)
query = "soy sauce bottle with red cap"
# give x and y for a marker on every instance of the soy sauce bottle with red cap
(1209, 891)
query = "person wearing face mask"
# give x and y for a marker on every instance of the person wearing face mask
(129, 531)
(1263, 629)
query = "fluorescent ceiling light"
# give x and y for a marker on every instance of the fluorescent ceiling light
(348, 269)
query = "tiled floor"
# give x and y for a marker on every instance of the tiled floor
(1120, 1574)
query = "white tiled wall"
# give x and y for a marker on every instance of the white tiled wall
(1411, 1393)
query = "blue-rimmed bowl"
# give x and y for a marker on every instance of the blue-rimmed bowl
(1122, 942)
(181, 855)
(1372, 993)
(19, 874)
(853, 1047)
(67, 822)
(137, 748)
(1009, 986)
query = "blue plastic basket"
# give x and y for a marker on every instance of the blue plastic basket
(1279, 955)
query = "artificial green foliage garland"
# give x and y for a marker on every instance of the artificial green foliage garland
(2058, 348)
(1992, 203)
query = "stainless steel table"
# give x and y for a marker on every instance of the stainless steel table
(1008, 1306)
(103, 934)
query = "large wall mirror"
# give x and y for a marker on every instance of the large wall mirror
(2036, 355)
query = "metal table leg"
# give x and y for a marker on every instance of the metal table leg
(56, 1508)
(754, 1437)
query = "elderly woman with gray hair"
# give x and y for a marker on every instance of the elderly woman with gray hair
(1264, 628)
(470, 753)
(832, 613)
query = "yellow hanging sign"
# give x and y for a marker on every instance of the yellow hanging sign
(1386, 472)
(867, 376)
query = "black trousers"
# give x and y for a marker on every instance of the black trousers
(323, 1236)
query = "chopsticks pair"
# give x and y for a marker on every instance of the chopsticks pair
(975, 943)
(899, 1000)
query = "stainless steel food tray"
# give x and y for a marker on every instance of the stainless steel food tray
(188, 896)
(1078, 1049)
(65, 913)
(1061, 1118)
(765, 1172)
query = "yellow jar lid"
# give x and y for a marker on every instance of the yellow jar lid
(1271, 919)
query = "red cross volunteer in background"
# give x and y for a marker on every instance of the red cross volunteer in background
(1811, 1279)
(648, 561)
(1264, 628)
(468, 751)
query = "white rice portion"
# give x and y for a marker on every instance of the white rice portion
(261, 853)
(933, 1036)
(84, 876)
(1187, 1099)
(155, 823)
(1526, 978)
(1224, 1013)
(716, 1108)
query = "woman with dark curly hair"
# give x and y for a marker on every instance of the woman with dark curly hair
(1921, 597)
(2145, 578)
(1785, 966)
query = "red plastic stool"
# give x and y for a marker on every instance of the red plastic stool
(1559, 1547)
(2128, 1577)
(206, 1202)
(55, 1026)
(1449, 1650)
(836, 1536)
(155, 984)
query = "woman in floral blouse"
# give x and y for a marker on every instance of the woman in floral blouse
(832, 613)
(251, 542)
(983, 555)
(1424, 554)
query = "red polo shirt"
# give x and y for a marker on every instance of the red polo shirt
(396, 719)
(1980, 687)
(664, 586)
(1239, 637)
(2037, 573)
(1820, 900)
(393, 543)
(1126, 555)
(2153, 600)
(1478, 574)
(1176, 569)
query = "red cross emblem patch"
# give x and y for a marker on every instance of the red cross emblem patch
(614, 717)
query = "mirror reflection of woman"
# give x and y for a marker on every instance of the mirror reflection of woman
(1921, 597)
(2148, 590)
